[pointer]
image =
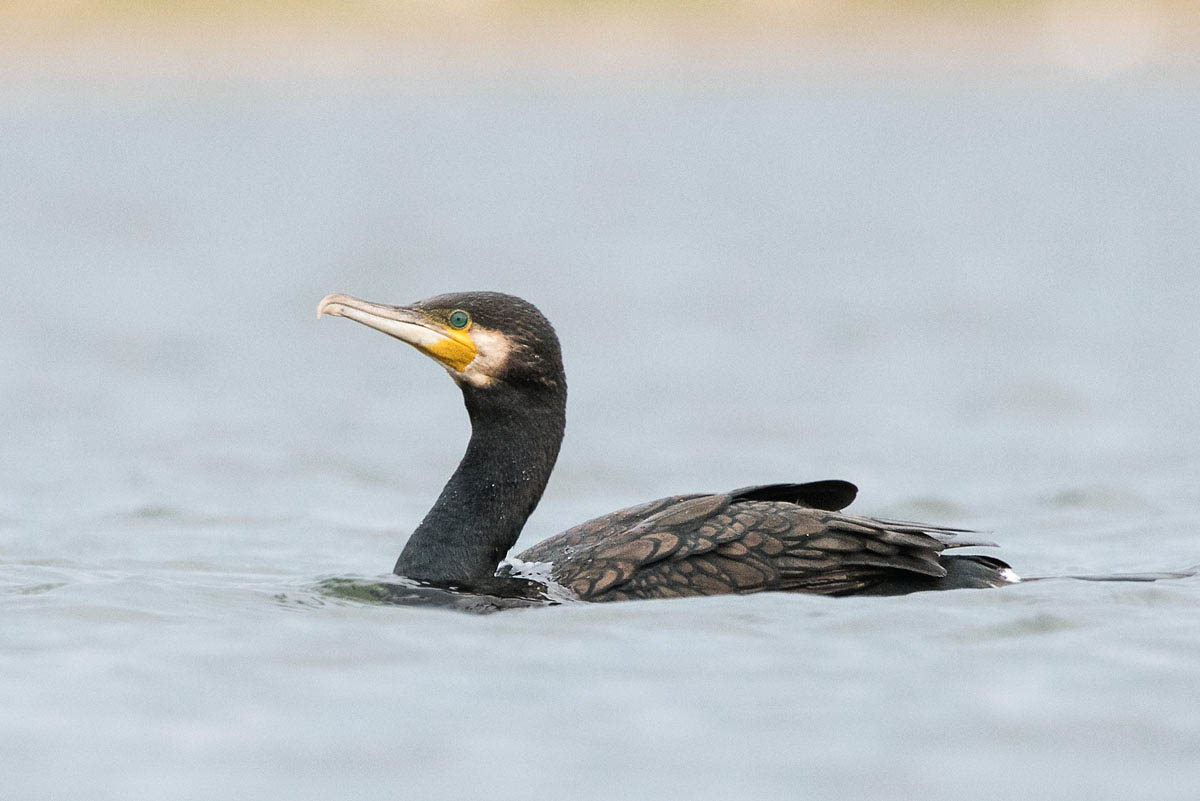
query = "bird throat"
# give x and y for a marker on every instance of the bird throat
(515, 437)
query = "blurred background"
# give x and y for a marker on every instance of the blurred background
(948, 251)
(1091, 38)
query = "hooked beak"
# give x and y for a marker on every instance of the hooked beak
(453, 349)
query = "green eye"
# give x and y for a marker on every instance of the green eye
(459, 319)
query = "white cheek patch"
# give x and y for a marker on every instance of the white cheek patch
(491, 354)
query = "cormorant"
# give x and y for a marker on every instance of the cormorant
(505, 357)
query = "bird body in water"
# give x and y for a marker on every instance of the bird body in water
(506, 358)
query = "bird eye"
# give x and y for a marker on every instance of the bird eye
(459, 319)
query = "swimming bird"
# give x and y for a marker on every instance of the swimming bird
(506, 358)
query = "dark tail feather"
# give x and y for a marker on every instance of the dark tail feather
(962, 573)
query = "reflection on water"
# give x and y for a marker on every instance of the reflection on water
(478, 598)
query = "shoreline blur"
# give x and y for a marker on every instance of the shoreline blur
(1092, 39)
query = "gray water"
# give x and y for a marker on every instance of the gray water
(975, 297)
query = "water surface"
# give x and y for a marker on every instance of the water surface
(974, 298)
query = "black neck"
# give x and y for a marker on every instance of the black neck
(515, 436)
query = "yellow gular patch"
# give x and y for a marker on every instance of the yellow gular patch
(456, 351)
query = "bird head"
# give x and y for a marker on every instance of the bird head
(484, 339)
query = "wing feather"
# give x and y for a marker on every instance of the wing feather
(757, 538)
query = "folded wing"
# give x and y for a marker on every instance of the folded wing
(788, 537)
